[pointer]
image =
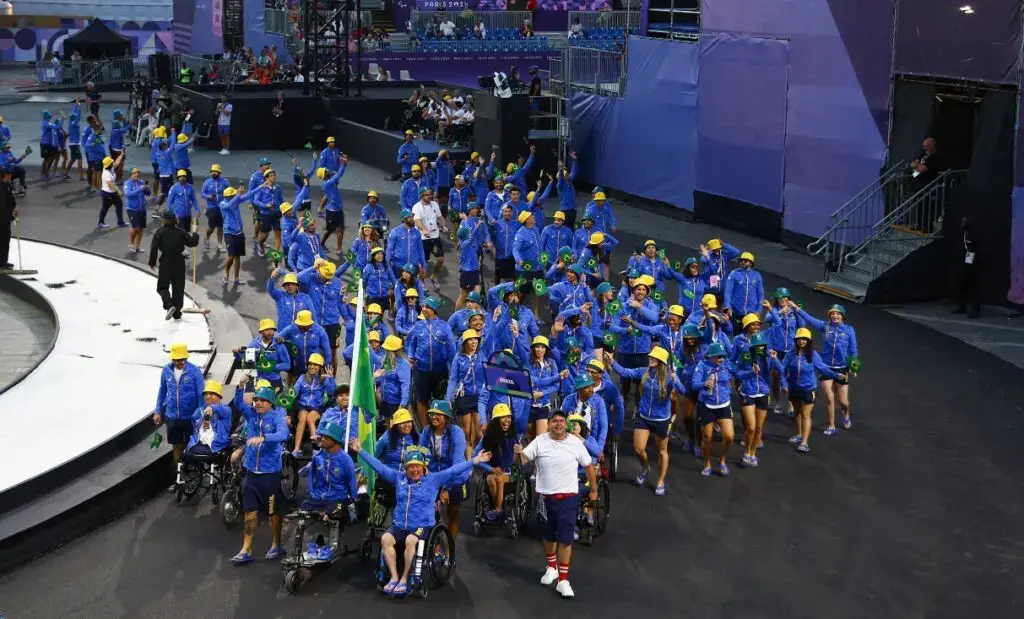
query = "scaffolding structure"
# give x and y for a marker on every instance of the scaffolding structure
(328, 60)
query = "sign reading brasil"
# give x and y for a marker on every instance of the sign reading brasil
(506, 376)
(501, 5)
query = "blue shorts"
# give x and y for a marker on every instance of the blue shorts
(76, 152)
(469, 280)
(270, 221)
(457, 494)
(262, 492)
(235, 244)
(759, 402)
(560, 525)
(335, 220)
(137, 219)
(400, 534)
(801, 397)
(540, 413)
(707, 415)
(326, 507)
(223, 130)
(657, 428)
(178, 430)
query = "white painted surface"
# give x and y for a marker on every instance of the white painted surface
(100, 378)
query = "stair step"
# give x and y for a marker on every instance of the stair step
(837, 286)
(860, 273)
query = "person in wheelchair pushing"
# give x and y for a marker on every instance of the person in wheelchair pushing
(500, 441)
(416, 492)
(211, 424)
(332, 484)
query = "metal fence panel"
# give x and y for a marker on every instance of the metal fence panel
(595, 70)
(76, 73)
(598, 20)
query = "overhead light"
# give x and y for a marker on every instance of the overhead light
(967, 9)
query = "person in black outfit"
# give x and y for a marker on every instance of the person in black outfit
(923, 170)
(171, 241)
(8, 213)
(969, 292)
(280, 133)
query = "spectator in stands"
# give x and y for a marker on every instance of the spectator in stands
(447, 28)
(93, 97)
(526, 30)
(576, 29)
(480, 30)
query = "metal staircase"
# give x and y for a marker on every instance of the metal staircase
(881, 226)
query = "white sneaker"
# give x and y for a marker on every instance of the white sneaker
(565, 589)
(549, 577)
(224, 151)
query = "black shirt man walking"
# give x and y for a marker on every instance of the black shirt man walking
(170, 243)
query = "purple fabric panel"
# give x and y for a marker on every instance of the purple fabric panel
(645, 7)
(254, 31)
(1016, 293)
(934, 37)
(646, 142)
(741, 102)
(203, 39)
(461, 69)
(1018, 152)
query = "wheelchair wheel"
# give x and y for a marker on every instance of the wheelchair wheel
(293, 580)
(603, 508)
(439, 558)
(366, 551)
(524, 502)
(231, 507)
(511, 522)
(289, 476)
(192, 474)
(481, 503)
(612, 458)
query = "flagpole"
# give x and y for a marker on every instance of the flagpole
(356, 347)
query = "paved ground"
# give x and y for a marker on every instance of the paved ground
(26, 333)
(915, 512)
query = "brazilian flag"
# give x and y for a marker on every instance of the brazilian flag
(275, 255)
(614, 307)
(657, 295)
(545, 258)
(610, 339)
(661, 254)
(855, 364)
(353, 286)
(565, 254)
(540, 287)
(573, 356)
(591, 264)
(291, 393)
(677, 266)
(520, 282)
(285, 402)
(688, 293)
(513, 311)
(293, 349)
(264, 364)
(528, 266)
(350, 257)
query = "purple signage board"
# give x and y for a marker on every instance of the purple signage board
(461, 69)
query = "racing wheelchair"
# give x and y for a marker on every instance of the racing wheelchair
(433, 564)
(517, 504)
(304, 562)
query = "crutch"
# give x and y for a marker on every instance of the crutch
(195, 310)
(21, 270)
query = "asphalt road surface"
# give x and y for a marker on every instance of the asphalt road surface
(915, 512)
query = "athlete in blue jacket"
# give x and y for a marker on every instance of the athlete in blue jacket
(839, 352)
(566, 191)
(415, 496)
(309, 337)
(181, 392)
(333, 482)
(213, 192)
(556, 235)
(713, 379)
(405, 246)
(757, 365)
(408, 154)
(593, 410)
(288, 300)
(446, 444)
(211, 423)
(744, 289)
(803, 368)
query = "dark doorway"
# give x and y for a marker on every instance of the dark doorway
(953, 126)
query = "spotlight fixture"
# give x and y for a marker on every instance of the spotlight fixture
(967, 9)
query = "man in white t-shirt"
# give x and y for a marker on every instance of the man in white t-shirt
(447, 29)
(428, 219)
(109, 192)
(558, 456)
(224, 124)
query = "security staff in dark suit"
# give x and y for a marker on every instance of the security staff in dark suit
(8, 213)
(969, 291)
(170, 242)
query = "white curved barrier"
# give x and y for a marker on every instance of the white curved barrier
(103, 373)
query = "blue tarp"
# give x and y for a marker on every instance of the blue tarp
(741, 110)
(645, 143)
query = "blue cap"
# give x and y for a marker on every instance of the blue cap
(46, 113)
(582, 381)
(577, 268)
(265, 393)
(597, 189)
(264, 160)
(633, 273)
(691, 331)
(759, 339)
(689, 261)
(715, 350)
(472, 205)
(433, 303)
(410, 269)
(440, 406)
(603, 287)
(334, 431)
(838, 308)
(572, 342)
(424, 190)
(474, 297)
(118, 113)
(406, 213)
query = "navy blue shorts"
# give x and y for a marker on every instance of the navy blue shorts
(326, 507)
(270, 221)
(387, 409)
(96, 166)
(235, 244)
(335, 220)
(76, 152)
(842, 370)
(333, 334)
(457, 494)
(801, 397)
(426, 383)
(400, 534)
(214, 218)
(540, 413)
(223, 130)
(466, 404)
(657, 428)
(261, 492)
(433, 248)
(178, 430)
(468, 280)
(560, 525)
(760, 402)
(137, 219)
(707, 415)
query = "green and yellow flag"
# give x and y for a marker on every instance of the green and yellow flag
(363, 400)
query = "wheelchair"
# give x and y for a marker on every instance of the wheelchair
(378, 519)
(610, 464)
(202, 473)
(516, 506)
(299, 566)
(592, 528)
(433, 565)
(230, 506)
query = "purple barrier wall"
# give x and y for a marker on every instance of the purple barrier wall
(1016, 292)
(197, 26)
(462, 69)
(741, 111)
(836, 122)
(949, 38)
(646, 142)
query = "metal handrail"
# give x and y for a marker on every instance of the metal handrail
(923, 211)
(467, 19)
(589, 20)
(841, 216)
